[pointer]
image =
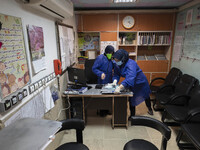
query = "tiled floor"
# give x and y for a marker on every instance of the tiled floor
(99, 135)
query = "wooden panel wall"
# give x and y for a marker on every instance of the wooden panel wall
(153, 65)
(148, 22)
(79, 23)
(108, 36)
(143, 22)
(100, 22)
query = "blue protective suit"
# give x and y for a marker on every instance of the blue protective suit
(103, 65)
(135, 80)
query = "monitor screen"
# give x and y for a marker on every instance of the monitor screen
(77, 75)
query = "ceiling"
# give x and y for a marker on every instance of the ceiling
(139, 4)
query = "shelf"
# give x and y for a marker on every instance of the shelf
(132, 53)
(127, 45)
(154, 38)
(154, 45)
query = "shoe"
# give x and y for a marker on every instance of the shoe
(150, 112)
(129, 118)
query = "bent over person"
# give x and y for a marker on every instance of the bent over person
(135, 80)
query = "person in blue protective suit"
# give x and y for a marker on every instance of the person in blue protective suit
(135, 80)
(103, 66)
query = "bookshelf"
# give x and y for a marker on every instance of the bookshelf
(154, 45)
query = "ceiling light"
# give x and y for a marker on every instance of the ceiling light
(123, 1)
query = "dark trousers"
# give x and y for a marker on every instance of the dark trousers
(147, 102)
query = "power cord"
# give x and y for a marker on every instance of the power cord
(69, 105)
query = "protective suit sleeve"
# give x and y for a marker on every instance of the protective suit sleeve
(131, 73)
(116, 75)
(96, 66)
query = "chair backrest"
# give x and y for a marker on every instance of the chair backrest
(76, 124)
(195, 98)
(91, 78)
(172, 76)
(156, 124)
(185, 83)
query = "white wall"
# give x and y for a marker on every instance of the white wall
(30, 16)
(188, 66)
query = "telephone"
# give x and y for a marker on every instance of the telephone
(57, 66)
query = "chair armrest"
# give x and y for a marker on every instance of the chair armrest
(192, 113)
(174, 99)
(153, 123)
(164, 87)
(73, 123)
(159, 78)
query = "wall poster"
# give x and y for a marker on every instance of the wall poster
(36, 44)
(87, 41)
(14, 73)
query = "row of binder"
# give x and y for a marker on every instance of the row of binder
(154, 38)
(153, 57)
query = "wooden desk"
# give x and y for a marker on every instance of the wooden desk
(28, 134)
(119, 104)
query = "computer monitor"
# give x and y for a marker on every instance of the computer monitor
(77, 75)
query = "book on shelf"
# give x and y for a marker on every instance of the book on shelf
(132, 53)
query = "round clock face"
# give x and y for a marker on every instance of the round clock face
(128, 22)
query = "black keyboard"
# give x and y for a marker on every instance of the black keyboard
(76, 86)
(99, 86)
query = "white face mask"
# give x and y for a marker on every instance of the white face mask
(119, 63)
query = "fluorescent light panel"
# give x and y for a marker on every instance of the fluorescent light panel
(124, 1)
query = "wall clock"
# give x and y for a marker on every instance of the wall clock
(128, 22)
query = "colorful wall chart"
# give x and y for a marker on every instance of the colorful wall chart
(14, 72)
(88, 41)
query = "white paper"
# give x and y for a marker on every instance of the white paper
(66, 46)
(177, 52)
(39, 65)
(106, 43)
(189, 17)
(70, 39)
(91, 54)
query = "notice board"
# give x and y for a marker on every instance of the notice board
(66, 45)
(191, 45)
(14, 73)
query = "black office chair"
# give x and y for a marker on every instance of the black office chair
(140, 144)
(179, 113)
(91, 78)
(170, 79)
(191, 129)
(182, 87)
(79, 126)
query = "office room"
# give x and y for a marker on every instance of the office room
(52, 95)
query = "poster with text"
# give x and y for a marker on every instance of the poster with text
(14, 73)
(36, 44)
